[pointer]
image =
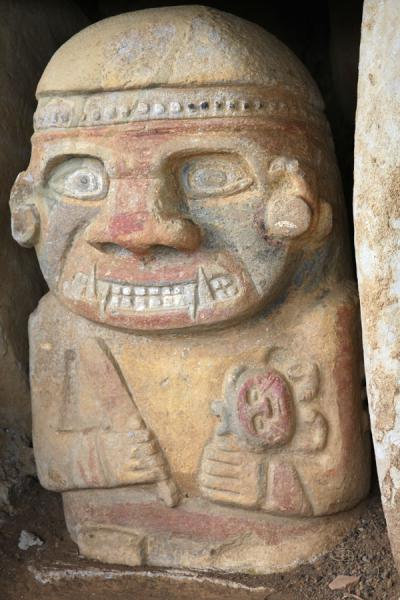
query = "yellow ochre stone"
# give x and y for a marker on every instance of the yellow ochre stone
(195, 366)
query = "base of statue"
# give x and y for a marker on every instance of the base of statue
(129, 527)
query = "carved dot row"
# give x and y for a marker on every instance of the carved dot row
(48, 116)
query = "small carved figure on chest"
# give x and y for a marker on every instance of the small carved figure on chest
(195, 366)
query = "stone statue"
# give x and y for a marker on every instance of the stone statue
(195, 366)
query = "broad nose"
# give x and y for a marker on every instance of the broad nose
(140, 222)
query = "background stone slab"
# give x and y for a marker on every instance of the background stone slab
(377, 239)
(30, 32)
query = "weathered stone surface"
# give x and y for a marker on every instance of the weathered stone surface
(195, 367)
(377, 223)
(29, 34)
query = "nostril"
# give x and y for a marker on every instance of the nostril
(114, 249)
(166, 253)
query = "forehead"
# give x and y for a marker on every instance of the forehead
(123, 147)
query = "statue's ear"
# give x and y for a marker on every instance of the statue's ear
(325, 220)
(25, 220)
(293, 207)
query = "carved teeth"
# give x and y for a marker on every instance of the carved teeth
(103, 295)
(78, 285)
(204, 293)
(125, 302)
(114, 297)
(91, 285)
(154, 302)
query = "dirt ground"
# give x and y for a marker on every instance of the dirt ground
(55, 571)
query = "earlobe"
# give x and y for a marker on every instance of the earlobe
(290, 207)
(25, 220)
(294, 208)
(25, 225)
(288, 216)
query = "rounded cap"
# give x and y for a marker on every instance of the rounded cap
(181, 47)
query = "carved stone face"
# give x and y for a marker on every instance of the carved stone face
(265, 409)
(169, 225)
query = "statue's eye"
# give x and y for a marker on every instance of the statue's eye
(80, 178)
(215, 175)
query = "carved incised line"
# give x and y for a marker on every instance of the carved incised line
(118, 297)
(69, 414)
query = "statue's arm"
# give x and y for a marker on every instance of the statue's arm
(87, 431)
(69, 460)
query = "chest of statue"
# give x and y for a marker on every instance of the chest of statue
(251, 417)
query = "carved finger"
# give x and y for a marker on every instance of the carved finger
(139, 436)
(156, 460)
(139, 476)
(229, 458)
(219, 469)
(248, 498)
(229, 484)
(223, 496)
(227, 443)
(145, 449)
(168, 492)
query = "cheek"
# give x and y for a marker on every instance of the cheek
(63, 228)
(263, 258)
(237, 221)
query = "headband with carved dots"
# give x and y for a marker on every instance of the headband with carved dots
(125, 106)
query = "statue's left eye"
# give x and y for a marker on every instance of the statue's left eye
(215, 175)
(80, 178)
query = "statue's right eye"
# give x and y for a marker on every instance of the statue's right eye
(79, 178)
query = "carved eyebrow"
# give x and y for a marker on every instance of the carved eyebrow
(56, 151)
(58, 159)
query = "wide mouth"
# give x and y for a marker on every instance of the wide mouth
(120, 298)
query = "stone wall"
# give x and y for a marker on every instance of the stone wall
(377, 237)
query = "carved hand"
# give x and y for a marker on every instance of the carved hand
(230, 474)
(130, 457)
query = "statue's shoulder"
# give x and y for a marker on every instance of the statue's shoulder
(327, 298)
(341, 293)
(49, 311)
